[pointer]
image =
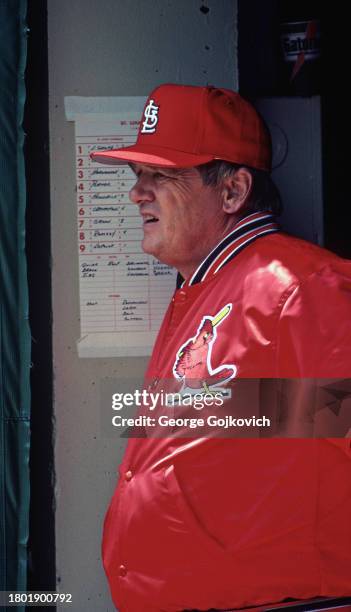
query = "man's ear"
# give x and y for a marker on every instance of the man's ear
(236, 190)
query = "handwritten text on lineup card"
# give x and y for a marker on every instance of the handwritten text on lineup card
(121, 288)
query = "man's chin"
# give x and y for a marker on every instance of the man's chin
(148, 247)
(156, 251)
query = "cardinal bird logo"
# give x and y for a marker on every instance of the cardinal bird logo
(193, 364)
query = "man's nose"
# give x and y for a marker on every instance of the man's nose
(141, 191)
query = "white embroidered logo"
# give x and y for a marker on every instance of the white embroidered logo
(151, 118)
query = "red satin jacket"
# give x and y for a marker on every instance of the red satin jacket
(225, 523)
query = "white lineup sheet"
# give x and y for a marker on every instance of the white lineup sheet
(123, 292)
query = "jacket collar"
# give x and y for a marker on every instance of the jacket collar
(244, 233)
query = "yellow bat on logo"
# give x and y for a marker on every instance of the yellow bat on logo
(221, 315)
(215, 321)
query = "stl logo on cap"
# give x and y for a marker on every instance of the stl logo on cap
(151, 118)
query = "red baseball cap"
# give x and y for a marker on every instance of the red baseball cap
(183, 126)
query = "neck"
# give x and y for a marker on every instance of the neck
(241, 233)
(187, 270)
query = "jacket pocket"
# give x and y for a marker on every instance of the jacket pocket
(189, 523)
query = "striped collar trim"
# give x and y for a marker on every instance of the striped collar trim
(245, 232)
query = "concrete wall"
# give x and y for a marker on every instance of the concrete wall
(106, 48)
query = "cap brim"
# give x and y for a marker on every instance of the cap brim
(153, 156)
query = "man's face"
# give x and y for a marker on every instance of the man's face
(182, 218)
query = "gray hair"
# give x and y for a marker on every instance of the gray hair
(264, 195)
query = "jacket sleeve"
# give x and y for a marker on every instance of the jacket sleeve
(314, 327)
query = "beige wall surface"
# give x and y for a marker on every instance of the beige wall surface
(106, 48)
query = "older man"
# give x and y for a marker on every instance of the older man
(213, 523)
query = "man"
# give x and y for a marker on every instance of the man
(213, 523)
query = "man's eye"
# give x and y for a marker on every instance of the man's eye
(159, 175)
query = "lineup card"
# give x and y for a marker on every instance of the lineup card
(123, 292)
